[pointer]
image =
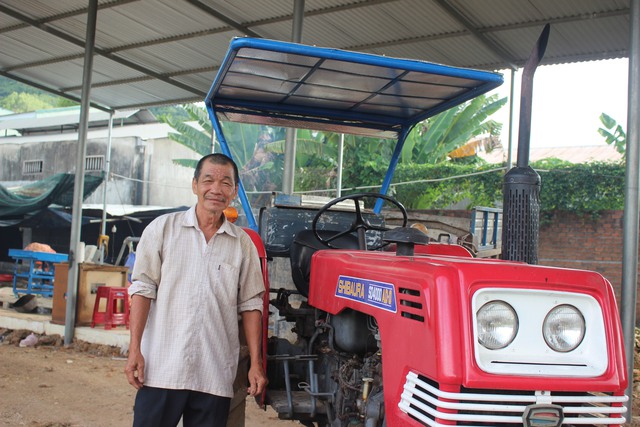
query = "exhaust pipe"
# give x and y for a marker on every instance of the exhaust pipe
(521, 204)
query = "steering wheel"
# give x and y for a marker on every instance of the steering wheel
(360, 224)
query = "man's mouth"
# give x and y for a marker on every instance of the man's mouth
(216, 199)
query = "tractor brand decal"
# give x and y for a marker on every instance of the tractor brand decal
(370, 292)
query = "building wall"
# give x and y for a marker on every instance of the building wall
(584, 242)
(169, 184)
(142, 172)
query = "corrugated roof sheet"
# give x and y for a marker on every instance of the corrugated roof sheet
(167, 41)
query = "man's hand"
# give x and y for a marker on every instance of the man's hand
(134, 370)
(257, 380)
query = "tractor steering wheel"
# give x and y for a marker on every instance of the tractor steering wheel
(360, 224)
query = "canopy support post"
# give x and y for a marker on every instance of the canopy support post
(630, 217)
(107, 171)
(78, 189)
(288, 176)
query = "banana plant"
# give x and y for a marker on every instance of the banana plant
(613, 133)
(432, 140)
(247, 144)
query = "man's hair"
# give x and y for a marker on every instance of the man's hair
(217, 159)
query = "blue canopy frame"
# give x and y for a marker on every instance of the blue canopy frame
(284, 84)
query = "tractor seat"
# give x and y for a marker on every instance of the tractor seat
(304, 245)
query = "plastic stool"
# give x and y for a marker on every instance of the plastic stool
(112, 316)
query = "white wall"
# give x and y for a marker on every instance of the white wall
(168, 184)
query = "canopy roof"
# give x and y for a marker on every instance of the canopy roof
(151, 52)
(294, 85)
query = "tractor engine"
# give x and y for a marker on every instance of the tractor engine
(333, 370)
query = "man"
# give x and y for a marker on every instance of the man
(194, 272)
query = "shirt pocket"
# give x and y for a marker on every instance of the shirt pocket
(225, 283)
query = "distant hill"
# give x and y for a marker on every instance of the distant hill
(20, 98)
(7, 86)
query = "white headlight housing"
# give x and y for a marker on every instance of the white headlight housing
(529, 353)
(563, 328)
(497, 325)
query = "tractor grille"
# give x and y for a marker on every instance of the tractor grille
(423, 401)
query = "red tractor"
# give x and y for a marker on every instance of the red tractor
(387, 327)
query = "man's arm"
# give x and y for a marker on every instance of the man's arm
(252, 324)
(137, 320)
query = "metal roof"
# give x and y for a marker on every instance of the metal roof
(295, 85)
(152, 52)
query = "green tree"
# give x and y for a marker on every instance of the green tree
(21, 102)
(613, 133)
(432, 140)
(22, 98)
(366, 159)
(197, 138)
(247, 143)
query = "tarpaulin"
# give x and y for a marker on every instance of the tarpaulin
(54, 190)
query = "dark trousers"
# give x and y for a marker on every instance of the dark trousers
(158, 407)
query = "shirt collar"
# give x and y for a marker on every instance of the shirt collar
(190, 220)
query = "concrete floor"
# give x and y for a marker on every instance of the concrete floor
(40, 323)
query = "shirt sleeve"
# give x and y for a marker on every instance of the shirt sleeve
(251, 284)
(147, 268)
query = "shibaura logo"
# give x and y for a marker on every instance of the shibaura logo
(376, 294)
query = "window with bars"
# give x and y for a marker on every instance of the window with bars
(93, 163)
(32, 167)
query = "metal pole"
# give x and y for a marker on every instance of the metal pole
(340, 159)
(288, 176)
(107, 171)
(512, 91)
(78, 189)
(630, 217)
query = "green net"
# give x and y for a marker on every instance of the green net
(54, 190)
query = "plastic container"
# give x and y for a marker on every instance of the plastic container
(26, 304)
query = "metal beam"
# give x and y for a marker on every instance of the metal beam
(288, 175)
(224, 18)
(53, 91)
(631, 216)
(145, 78)
(78, 187)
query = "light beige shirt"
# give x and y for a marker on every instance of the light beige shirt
(197, 289)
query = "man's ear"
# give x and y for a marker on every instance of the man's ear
(194, 186)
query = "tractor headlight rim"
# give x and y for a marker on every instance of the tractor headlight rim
(564, 328)
(497, 324)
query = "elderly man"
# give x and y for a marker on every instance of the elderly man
(194, 272)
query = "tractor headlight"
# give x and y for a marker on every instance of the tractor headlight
(563, 328)
(497, 324)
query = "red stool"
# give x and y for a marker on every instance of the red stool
(117, 308)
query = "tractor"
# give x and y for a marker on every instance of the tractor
(386, 327)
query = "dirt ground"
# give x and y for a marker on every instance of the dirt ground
(84, 386)
(81, 386)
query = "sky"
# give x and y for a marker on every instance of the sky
(568, 100)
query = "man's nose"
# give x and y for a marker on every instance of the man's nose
(215, 187)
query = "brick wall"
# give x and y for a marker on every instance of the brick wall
(574, 241)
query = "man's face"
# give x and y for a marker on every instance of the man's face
(215, 187)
